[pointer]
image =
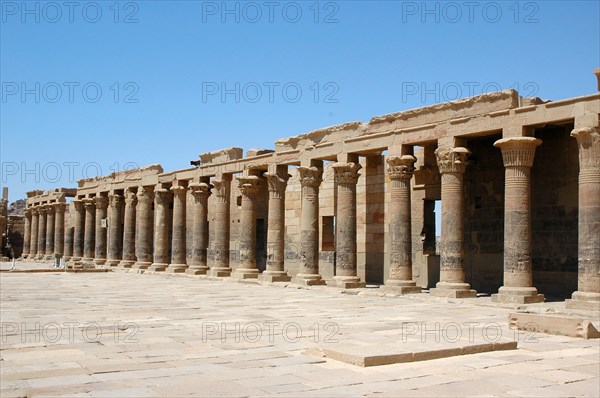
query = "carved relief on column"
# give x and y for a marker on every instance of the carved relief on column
(59, 228)
(129, 230)
(400, 171)
(41, 244)
(143, 228)
(201, 193)
(310, 180)
(78, 229)
(587, 295)
(115, 233)
(452, 163)
(178, 242)
(277, 183)
(89, 240)
(247, 241)
(101, 203)
(218, 252)
(33, 241)
(518, 154)
(346, 177)
(162, 199)
(26, 233)
(50, 216)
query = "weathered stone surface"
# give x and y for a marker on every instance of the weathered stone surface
(550, 324)
(223, 155)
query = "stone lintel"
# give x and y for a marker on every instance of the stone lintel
(257, 152)
(222, 155)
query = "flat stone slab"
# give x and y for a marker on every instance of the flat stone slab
(370, 357)
(563, 325)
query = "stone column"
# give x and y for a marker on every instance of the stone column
(247, 266)
(452, 163)
(518, 154)
(587, 295)
(78, 230)
(59, 229)
(26, 233)
(115, 232)
(161, 232)
(178, 238)
(100, 248)
(33, 241)
(346, 177)
(143, 228)
(201, 193)
(129, 230)
(277, 183)
(41, 251)
(49, 251)
(89, 240)
(68, 247)
(310, 179)
(218, 255)
(400, 279)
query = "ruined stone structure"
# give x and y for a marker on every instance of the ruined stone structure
(518, 180)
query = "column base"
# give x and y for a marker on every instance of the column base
(517, 295)
(67, 258)
(126, 263)
(197, 270)
(176, 268)
(274, 276)
(346, 282)
(48, 257)
(220, 272)
(113, 263)
(245, 273)
(31, 257)
(584, 301)
(39, 257)
(100, 261)
(400, 287)
(308, 280)
(141, 265)
(453, 290)
(158, 267)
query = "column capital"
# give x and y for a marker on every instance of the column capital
(200, 190)
(144, 195)
(401, 167)
(452, 160)
(130, 198)
(310, 176)
(276, 183)
(27, 212)
(78, 203)
(49, 207)
(101, 202)
(346, 173)
(221, 187)
(518, 151)
(588, 139)
(161, 196)
(115, 199)
(89, 203)
(41, 210)
(60, 207)
(248, 186)
(178, 189)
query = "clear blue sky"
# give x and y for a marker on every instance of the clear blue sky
(171, 60)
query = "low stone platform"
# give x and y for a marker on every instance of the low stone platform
(560, 324)
(158, 334)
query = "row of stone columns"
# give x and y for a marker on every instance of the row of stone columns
(143, 241)
(44, 231)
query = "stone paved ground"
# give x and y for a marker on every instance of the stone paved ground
(125, 334)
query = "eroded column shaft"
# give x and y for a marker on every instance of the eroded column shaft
(78, 229)
(143, 228)
(59, 229)
(161, 232)
(201, 193)
(115, 233)
(129, 229)
(178, 239)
